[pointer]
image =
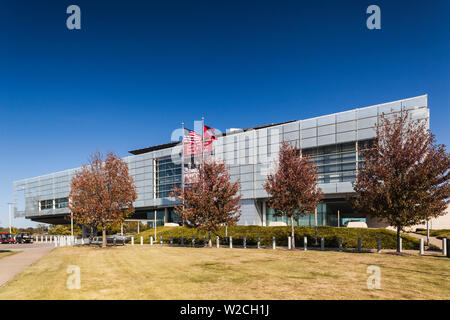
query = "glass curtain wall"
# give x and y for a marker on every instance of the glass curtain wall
(168, 176)
(307, 220)
(335, 163)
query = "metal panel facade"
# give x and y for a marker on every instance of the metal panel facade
(250, 156)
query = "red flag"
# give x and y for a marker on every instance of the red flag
(209, 135)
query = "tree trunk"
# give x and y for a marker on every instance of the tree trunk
(292, 232)
(398, 239)
(103, 237)
(209, 241)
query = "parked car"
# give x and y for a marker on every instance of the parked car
(6, 238)
(24, 237)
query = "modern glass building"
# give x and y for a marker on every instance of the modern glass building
(333, 141)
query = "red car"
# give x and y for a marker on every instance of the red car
(6, 238)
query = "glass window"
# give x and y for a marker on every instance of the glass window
(307, 220)
(46, 204)
(168, 176)
(61, 203)
(335, 163)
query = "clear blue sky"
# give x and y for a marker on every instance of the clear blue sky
(137, 69)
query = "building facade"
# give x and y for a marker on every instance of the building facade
(334, 142)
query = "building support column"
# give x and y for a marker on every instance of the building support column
(264, 215)
(71, 224)
(339, 219)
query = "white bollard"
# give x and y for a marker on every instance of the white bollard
(217, 242)
(82, 241)
(401, 245)
(132, 241)
(322, 244)
(421, 247)
(142, 241)
(305, 243)
(444, 246)
(273, 243)
(289, 243)
(151, 240)
(231, 242)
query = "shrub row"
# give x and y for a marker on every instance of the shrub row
(331, 236)
(440, 234)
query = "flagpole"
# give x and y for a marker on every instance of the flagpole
(182, 157)
(203, 129)
(182, 168)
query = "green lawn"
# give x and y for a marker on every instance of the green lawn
(154, 272)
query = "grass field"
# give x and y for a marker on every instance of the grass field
(135, 272)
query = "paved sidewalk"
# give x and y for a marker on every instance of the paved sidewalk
(433, 240)
(11, 266)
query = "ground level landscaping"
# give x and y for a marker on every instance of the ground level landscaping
(440, 234)
(154, 272)
(331, 236)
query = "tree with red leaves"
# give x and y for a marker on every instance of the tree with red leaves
(211, 200)
(293, 186)
(102, 193)
(404, 178)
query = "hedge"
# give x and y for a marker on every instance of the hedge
(440, 233)
(330, 234)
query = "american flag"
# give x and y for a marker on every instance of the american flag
(193, 141)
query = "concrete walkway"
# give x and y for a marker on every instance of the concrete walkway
(11, 266)
(433, 240)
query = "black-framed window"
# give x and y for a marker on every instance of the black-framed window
(46, 204)
(61, 203)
